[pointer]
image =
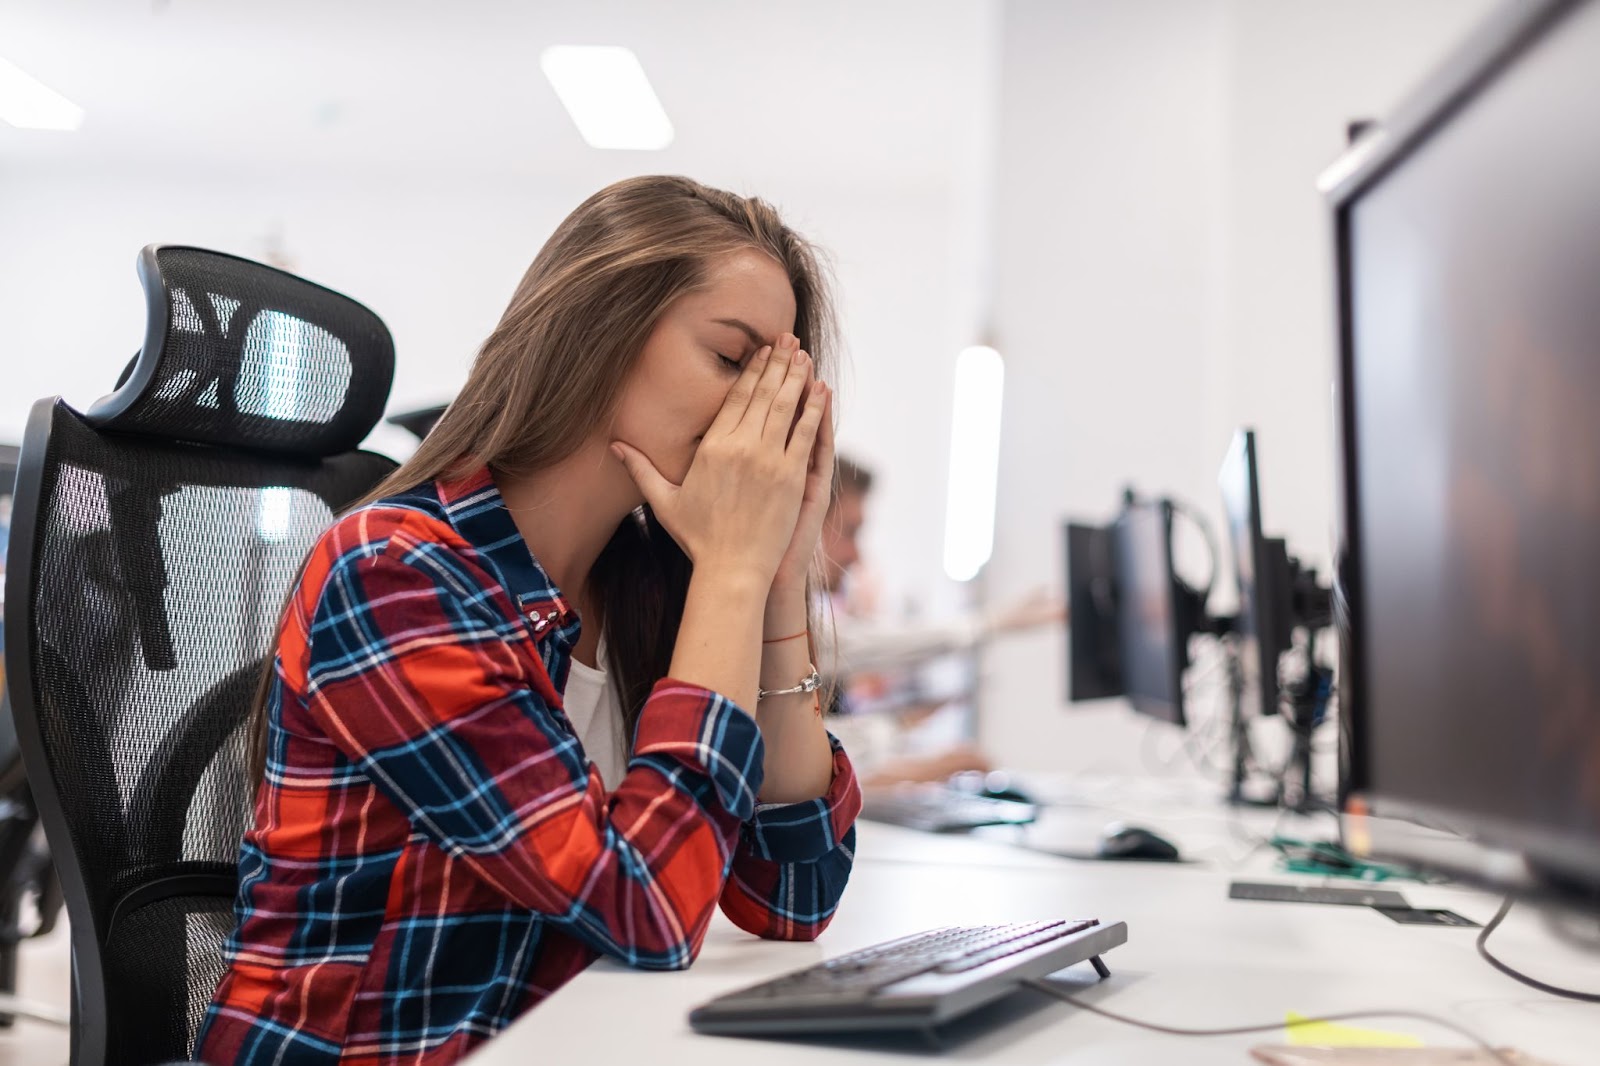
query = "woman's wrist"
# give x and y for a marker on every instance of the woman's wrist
(731, 582)
(785, 614)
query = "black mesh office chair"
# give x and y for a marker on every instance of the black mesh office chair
(153, 542)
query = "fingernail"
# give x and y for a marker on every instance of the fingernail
(616, 449)
(799, 356)
(789, 340)
(765, 352)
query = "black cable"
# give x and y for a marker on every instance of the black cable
(1291, 1023)
(1517, 975)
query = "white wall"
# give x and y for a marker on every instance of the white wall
(1162, 276)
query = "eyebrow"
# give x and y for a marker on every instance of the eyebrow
(749, 330)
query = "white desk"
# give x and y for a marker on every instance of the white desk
(1193, 958)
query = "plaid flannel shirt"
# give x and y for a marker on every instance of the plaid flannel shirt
(433, 854)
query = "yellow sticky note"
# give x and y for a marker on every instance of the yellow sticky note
(1332, 1034)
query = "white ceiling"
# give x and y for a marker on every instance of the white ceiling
(883, 93)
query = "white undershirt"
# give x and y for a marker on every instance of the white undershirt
(595, 712)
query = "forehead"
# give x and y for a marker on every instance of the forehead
(749, 286)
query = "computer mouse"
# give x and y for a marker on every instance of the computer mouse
(993, 784)
(1007, 792)
(1133, 842)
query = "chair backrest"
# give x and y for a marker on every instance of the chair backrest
(154, 539)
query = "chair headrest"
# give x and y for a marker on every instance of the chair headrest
(241, 354)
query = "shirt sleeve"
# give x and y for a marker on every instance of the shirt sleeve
(794, 859)
(414, 676)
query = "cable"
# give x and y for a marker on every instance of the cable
(1242, 1030)
(1516, 975)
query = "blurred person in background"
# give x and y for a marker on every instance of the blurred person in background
(895, 733)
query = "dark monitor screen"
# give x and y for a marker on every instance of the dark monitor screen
(1094, 640)
(1153, 637)
(1260, 566)
(1470, 382)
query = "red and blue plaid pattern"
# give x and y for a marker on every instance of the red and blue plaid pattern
(433, 854)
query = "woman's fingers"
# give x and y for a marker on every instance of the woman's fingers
(754, 417)
(822, 452)
(791, 395)
(739, 397)
(656, 490)
(811, 418)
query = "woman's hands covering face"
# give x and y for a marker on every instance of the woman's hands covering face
(753, 498)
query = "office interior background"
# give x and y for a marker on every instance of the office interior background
(1118, 196)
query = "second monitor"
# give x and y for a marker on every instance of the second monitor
(1132, 615)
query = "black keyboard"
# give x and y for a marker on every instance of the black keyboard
(913, 983)
(942, 810)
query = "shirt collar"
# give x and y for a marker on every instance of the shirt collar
(475, 509)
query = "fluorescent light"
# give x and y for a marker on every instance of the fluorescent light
(974, 462)
(29, 104)
(605, 91)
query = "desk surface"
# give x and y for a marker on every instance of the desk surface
(1193, 957)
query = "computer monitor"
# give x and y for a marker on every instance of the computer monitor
(1094, 643)
(1131, 615)
(1150, 617)
(1468, 247)
(1263, 624)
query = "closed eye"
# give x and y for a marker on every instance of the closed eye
(732, 364)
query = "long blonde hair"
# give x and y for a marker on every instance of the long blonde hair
(553, 369)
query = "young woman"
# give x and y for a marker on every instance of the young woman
(544, 696)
